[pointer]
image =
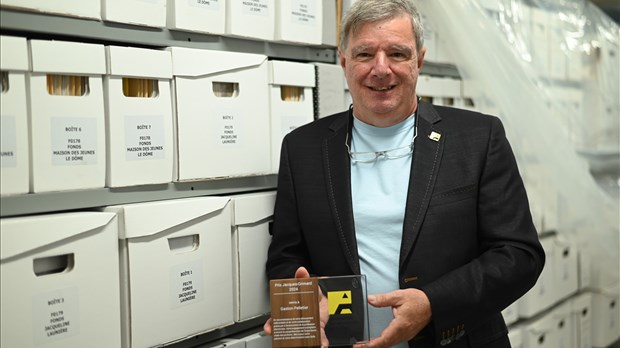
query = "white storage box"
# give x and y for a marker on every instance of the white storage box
(60, 281)
(291, 105)
(511, 313)
(330, 23)
(14, 158)
(67, 117)
(331, 94)
(255, 340)
(561, 315)
(253, 19)
(565, 267)
(605, 316)
(540, 333)
(176, 269)
(438, 87)
(515, 336)
(252, 214)
(581, 320)
(299, 21)
(149, 13)
(71, 8)
(222, 105)
(197, 16)
(543, 294)
(140, 146)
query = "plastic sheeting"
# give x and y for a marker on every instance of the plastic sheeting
(550, 70)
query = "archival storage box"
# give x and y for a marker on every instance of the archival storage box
(197, 16)
(149, 13)
(70, 8)
(67, 117)
(255, 19)
(299, 22)
(291, 103)
(222, 114)
(14, 160)
(60, 280)
(252, 214)
(139, 127)
(176, 269)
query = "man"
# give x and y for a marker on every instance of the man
(426, 201)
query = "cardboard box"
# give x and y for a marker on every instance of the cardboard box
(540, 332)
(139, 127)
(197, 16)
(299, 21)
(222, 106)
(176, 269)
(581, 322)
(561, 315)
(150, 13)
(14, 143)
(542, 295)
(330, 23)
(438, 87)
(291, 103)
(252, 214)
(515, 336)
(60, 281)
(566, 267)
(71, 8)
(511, 313)
(67, 117)
(253, 19)
(331, 94)
(605, 316)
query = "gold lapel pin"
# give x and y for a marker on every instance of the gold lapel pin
(434, 136)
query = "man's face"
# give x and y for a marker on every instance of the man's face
(381, 66)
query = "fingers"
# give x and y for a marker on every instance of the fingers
(302, 272)
(267, 327)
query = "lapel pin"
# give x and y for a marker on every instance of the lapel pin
(434, 136)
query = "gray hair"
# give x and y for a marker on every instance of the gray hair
(368, 11)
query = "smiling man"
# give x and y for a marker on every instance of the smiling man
(426, 201)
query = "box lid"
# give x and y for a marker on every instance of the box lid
(67, 57)
(13, 53)
(147, 219)
(253, 207)
(138, 62)
(198, 62)
(291, 74)
(23, 234)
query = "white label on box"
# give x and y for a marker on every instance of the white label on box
(205, 4)
(74, 140)
(186, 284)
(291, 122)
(303, 12)
(256, 7)
(56, 315)
(8, 143)
(229, 132)
(144, 138)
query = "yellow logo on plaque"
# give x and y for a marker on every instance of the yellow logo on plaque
(339, 302)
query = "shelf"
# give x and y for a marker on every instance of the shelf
(36, 203)
(44, 25)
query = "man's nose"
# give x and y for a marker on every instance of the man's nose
(381, 66)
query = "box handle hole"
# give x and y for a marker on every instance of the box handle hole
(53, 264)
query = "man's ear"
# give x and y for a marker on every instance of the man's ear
(421, 57)
(342, 58)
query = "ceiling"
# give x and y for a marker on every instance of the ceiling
(611, 7)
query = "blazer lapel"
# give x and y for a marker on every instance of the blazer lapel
(337, 173)
(428, 148)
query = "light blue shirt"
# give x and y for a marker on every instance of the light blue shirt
(379, 193)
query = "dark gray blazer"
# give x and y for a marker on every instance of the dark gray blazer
(468, 238)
